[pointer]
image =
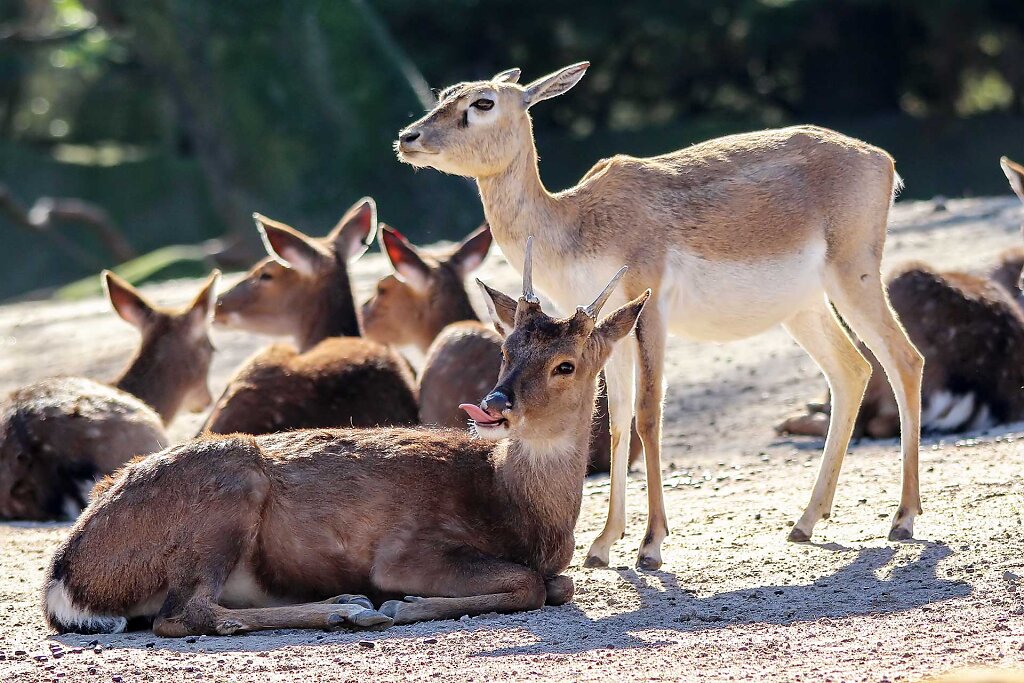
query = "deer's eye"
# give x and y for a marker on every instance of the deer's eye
(565, 369)
(266, 277)
(483, 104)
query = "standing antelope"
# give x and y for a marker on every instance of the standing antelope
(971, 331)
(59, 435)
(429, 309)
(734, 235)
(224, 535)
(334, 378)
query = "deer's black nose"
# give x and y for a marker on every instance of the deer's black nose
(497, 402)
(410, 136)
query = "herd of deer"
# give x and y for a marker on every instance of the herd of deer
(328, 469)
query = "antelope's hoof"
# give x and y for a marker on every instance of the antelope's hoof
(229, 627)
(798, 535)
(594, 562)
(367, 619)
(351, 599)
(648, 563)
(898, 533)
(560, 590)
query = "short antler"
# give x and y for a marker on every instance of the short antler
(594, 309)
(528, 273)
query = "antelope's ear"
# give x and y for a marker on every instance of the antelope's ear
(405, 259)
(127, 301)
(472, 252)
(621, 321)
(354, 233)
(289, 247)
(200, 311)
(507, 76)
(554, 84)
(1015, 174)
(502, 309)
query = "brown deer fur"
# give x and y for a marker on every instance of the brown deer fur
(735, 235)
(335, 378)
(971, 331)
(58, 435)
(425, 305)
(224, 534)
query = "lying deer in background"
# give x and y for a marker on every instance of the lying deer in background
(425, 305)
(971, 331)
(59, 435)
(223, 534)
(335, 378)
(736, 235)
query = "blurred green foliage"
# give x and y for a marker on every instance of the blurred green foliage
(181, 117)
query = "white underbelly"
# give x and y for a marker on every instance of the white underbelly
(723, 301)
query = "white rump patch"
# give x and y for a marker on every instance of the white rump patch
(72, 618)
(948, 412)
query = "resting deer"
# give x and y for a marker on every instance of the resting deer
(334, 378)
(425, 305)
(735, 235)
(223, 535)
(971, 331)
(59, 435)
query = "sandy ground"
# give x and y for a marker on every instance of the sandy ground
(734, 601)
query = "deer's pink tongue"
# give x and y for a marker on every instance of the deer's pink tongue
(477, 414)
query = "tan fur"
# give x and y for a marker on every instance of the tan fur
(971, 331)
(58, 435)
(334, 379)
(232, 534)
(805, 206)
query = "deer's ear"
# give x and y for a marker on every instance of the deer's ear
(127, 301)
(502, 309)
(354, 233)
(554, 84)
(1015, 174)
(290, 247)
(621, 321)
(472, 252)
(200, 311)
(405, 258)
(507, 76)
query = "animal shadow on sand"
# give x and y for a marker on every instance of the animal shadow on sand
(665, 605)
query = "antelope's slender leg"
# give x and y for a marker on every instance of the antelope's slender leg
(463, 584)
(204, 616)
(619, 376)
(847, 372)
(860, 297)
(651, 334)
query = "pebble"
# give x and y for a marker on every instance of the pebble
(366, 643)
(430, 641)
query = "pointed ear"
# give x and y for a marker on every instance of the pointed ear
(404, 258)
(620, 322)
(554, 84)
(472, 252)
(127, 301)
(354, 233)
(290, 247)
(507, 76)
(1015, 174)
(200, 311)
(502, 309)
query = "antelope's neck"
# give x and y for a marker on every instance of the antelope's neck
(155, 383)
(332, 314)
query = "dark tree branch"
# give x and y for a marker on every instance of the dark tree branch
(43, 216)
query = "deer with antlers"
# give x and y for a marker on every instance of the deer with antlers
(734, 235)
(233, 534)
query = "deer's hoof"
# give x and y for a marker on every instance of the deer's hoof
(648, 563)
(367, 618)
(350, 599)
(594, 562)
(228, 627)
(898, 533)
(798, 535)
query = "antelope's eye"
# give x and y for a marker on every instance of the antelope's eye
(483, 104)
(264, 277)
(565, 369)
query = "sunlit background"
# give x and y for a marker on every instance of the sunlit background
(128, 126)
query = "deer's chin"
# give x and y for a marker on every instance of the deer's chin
(492, 432)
